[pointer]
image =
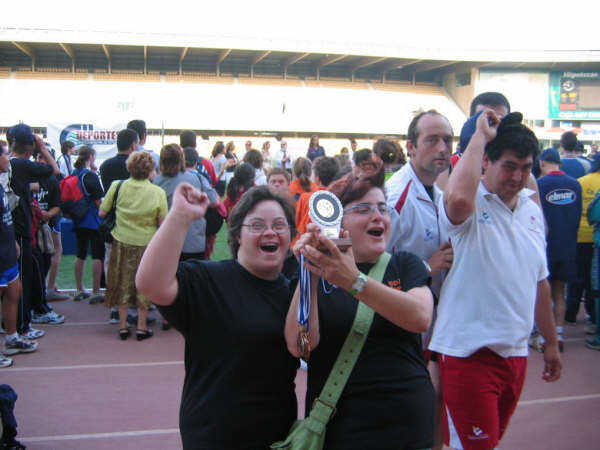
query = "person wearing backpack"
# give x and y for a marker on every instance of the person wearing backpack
(86, 229)
(23, 144)
(65, 165)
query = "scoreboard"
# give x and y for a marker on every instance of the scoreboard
(574, 95)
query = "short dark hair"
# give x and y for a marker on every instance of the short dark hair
(170, 162)
(512, 135)
(187, 138)
(190, 155)
(66, 146)
(126, 138)
(251, 198)
(139, 126)
(243, 179)
(364, 154)
(568, 141)
(413, 128)
(279, 171)
(489, 99)
(254, 158)
(84, 154)
(388, 150)
(326, 168)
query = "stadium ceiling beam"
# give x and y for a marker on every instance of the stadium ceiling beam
(292, 60)
(259, 57)
(366, 62)
(431, 65)
(399, 64)
(70, 53)
(28, 51)
(462, 67)
(107, 53)
(329, 59)
(220, 58)
(184, 51)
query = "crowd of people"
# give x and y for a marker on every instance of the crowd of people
(484, 261)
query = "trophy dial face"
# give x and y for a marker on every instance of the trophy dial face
(325, 209)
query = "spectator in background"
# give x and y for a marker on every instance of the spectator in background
(86, 230)
(139, 126)
(561, 202)
(23, 145)
(353, 148)
(301, 182)
(243, 179)
(141, 207)
(111, 170)
(10, 283)
(188, 139)
(590, 184)
(255, 159)
(65, 165)
(248, 146)
(278, 180)
(283, 158)
(573, 163)
(314, 149)
(390, 153)
(267, 157)
(219, 162)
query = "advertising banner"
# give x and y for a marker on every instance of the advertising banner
(574, 95)
(102, 138)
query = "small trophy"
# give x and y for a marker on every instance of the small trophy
(325, 209)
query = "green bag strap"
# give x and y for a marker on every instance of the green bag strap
(323, 408)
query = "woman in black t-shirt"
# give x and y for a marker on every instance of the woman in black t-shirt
(388, 400)
(238, 391)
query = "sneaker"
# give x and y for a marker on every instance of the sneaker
(53, 295)
(589, 328)
(33, 333)
(132, 320)
(594, 344)
(114, 317)
(96, 298)
(50, 318)
(19, 345)
(4, 361)
(81, 295)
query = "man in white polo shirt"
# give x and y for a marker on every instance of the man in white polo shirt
(496, 285)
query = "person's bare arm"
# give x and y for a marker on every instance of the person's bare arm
(39, 143)
(459, 196)
(155, 278)
(544, 319)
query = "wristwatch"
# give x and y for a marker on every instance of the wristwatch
(358, 285)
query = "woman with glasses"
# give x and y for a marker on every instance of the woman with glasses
(388, 400)
(239, 384)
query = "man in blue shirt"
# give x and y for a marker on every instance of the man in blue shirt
(560, 196)
(573, 163)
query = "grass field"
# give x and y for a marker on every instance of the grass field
(66, 274)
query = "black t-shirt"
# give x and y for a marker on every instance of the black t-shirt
(49, 196)
(238, 391)
(388, 400)
(8, 250)
(91, 182)
(114, 168)
(429, 190)
(24, 172)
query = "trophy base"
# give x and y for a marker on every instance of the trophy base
(342, 243)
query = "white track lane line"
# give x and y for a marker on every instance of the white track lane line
(72, 437)
(92, 366)
(119, 434)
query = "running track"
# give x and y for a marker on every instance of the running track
(85, 389)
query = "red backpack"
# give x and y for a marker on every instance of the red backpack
(74, 200)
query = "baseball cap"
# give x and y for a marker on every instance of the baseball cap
(21, 133)
(550, 155)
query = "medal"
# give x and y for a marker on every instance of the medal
(303, 344)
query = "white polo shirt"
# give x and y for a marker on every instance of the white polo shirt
(489, 295)
(414, 215)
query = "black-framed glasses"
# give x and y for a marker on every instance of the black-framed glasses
(259, 227)
(369, 208)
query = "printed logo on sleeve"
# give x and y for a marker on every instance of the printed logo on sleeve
(478, 434)
(485, 218)
(560, 197)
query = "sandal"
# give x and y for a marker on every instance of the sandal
(124, 333)
(140, 335)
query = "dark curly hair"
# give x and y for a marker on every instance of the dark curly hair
(247, 203)
(512, 135)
